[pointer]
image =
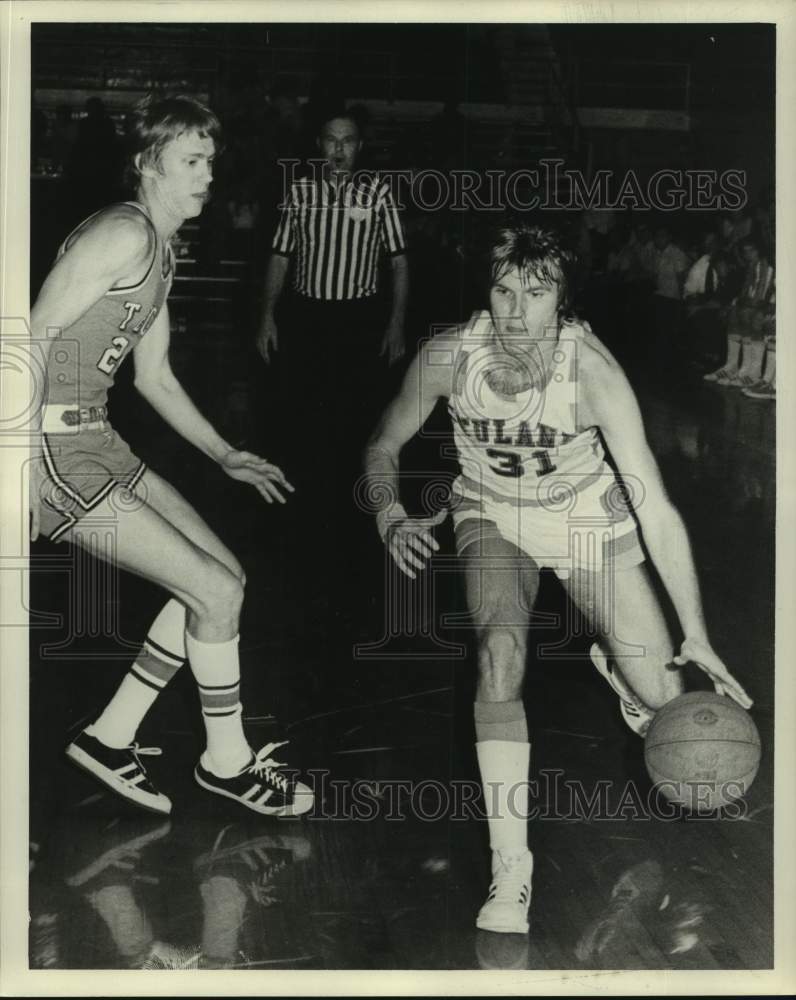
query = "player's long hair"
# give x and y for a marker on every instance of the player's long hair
(155, 121)
(536, 252)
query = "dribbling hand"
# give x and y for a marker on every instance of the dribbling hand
(410, 541)
(700, 652)
(268, 479)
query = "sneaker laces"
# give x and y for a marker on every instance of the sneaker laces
(510, 884)
(264, 767)
(138, 752)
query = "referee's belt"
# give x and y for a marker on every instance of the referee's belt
(65, 419)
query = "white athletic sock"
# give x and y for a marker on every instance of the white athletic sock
(753, 351)
(733, 352)
(504, 766)
(161, 656)
(770, 372)
(216, 667)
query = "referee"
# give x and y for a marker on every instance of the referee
(336, 333)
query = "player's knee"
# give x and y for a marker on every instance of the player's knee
(221, 592)
(501, 651)
(235, 567)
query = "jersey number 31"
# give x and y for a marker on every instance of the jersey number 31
(509, 463)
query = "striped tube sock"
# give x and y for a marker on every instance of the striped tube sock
(216, 667)
(504, 755)
(161, 656)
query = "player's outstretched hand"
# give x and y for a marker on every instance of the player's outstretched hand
(268, 479)
(699, 652)
(410, 541)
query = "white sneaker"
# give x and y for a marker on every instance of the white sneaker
(720, 375)
(634, 711)
(506, 907)
(760, 390)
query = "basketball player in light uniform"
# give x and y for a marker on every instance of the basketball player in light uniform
(105, 298)
(532, 396)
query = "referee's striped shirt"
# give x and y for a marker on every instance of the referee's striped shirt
(337, 235)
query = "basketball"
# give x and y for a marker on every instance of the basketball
(702, 751)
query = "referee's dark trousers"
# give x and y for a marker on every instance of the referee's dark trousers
(335, 382)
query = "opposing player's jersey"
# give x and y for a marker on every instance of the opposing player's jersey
(516, 447)
(83, 361)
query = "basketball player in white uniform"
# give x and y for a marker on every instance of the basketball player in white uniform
(105, 298)
(532, 396)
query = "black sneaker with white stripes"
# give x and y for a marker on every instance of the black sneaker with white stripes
(119, 770)
(262, 785)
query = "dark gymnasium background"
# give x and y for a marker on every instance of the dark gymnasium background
(371, 694)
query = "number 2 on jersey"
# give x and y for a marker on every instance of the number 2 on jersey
(111, 356)
(509, 463)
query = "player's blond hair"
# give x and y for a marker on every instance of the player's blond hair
(155, 121)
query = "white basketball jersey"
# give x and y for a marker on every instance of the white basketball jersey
(509, 444)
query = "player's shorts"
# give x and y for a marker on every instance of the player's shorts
(82, 468)
(588, 529)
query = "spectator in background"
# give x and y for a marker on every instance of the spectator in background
(703, 296)
(764, 216)
(765, 387)
(699, 274)
(748, 315)
(671, 265)
(643, 247)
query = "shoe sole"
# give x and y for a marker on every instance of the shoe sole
(285, 812)
(503, 928)
(87, 763)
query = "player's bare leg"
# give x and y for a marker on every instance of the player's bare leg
(147, 544)
(501, 584)
(622, 608)
(163, 651)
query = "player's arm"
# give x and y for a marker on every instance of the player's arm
(611, 404)
(156, 382)
(428, 379)
(112, 248)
